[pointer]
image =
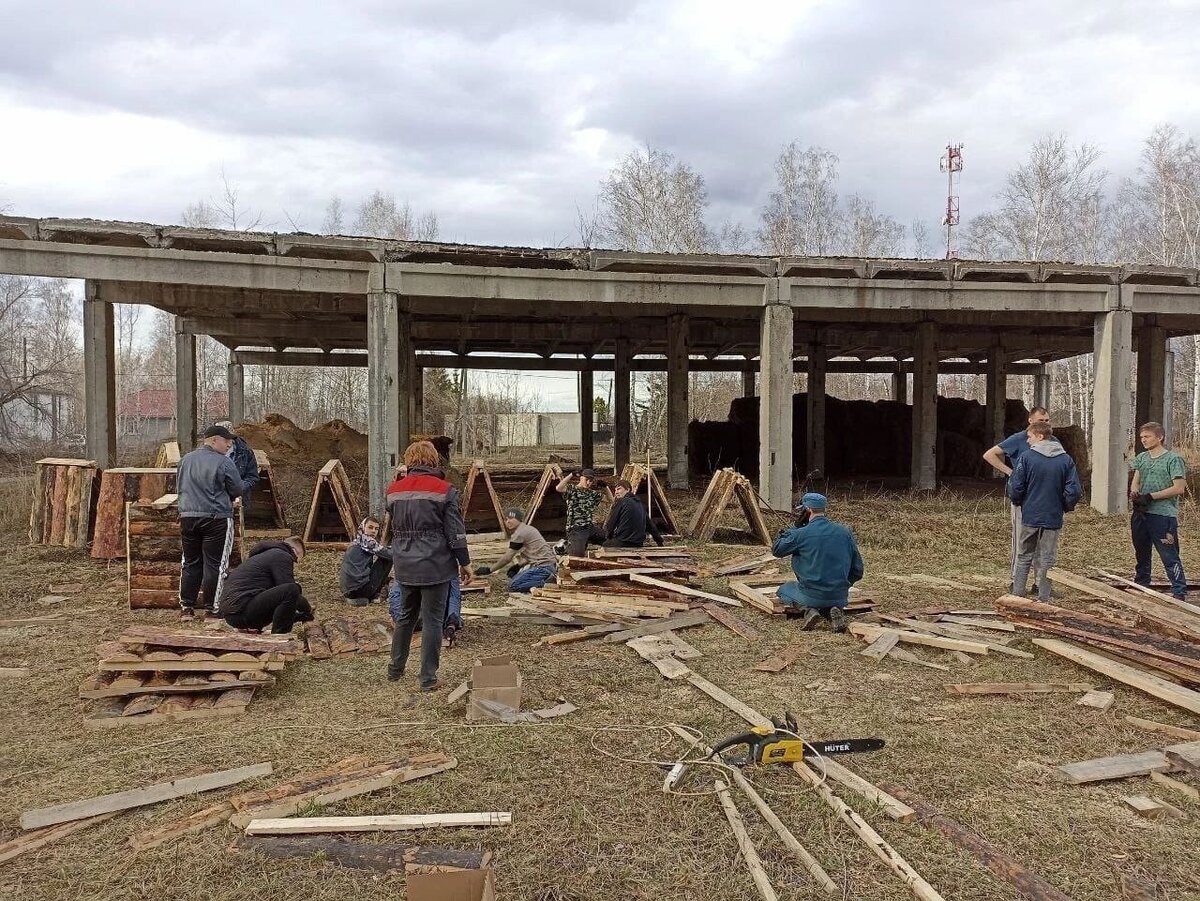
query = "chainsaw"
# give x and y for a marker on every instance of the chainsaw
(781, 743)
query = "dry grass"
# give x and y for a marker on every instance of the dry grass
(586, 826)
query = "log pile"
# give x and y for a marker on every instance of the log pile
(150, 676)
(339, 636)
(333, 517)
(725, 485)
(153, 549)
(63, 502)
(119, 487)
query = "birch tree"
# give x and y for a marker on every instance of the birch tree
(801, 215)
(653, 203)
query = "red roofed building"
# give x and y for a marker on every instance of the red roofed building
(148, 416)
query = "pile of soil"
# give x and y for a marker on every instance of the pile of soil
(286, 444)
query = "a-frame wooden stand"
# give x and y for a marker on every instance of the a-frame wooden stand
(725, 485)
(656, 498)
(480, 506)
(266, 509)
(333, 517)
(548, 510)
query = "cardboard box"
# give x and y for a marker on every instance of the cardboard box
(451, 885)
(495, 679)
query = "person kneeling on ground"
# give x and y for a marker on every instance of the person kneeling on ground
(628, 521)
(538, 564)
(825, 559)
(1044, 486)
(263, 590)
(366, 565)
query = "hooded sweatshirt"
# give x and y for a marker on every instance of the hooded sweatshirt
(270, 563)
(1045, 485)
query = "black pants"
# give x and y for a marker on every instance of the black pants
(579, 539)
(616, 542)
(279, 606)
(429, 603)
(207, 543)
(381, 571)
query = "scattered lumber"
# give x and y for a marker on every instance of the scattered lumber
(480, 505)
(63, 502)
(1100, 700)
(37, 838)
(686, 590)
(870, 633)
(960, 633)
(140, 797)
(547, 508)
(931, 581)
(784, 658)
(658, 508)
(678, 621)
(266, 507)
(1165, 728)
(725, 485)
(390, 823)
(879, 647)
(1150, 611)
(751, 595)
(1175, 785)
(669, 550)
(153, 548)
(1016, 688)
(1185, 757)
(976, 623)
(1151, 684)
(358, 855)
(753, 862)
(1028, 884)
(1119, 766)
(745, 564)
(119, 487)
(333, 517)
(340, 636)
(589, 575)
(1149, 809)
(899, 653)
(1162, 596)
(894, 808)
(732, 622)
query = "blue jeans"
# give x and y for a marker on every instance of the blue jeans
(453, 604)
(531, 577)
(1153, 530)
(790, 593)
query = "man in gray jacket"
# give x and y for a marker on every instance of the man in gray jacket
(538, 564)
(209, 490)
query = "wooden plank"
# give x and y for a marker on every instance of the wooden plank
(1100, 700)
(879, 648)
(168, 638)
(13, 672)
(31, 841)
(1160, 596)
(1147, 808)
(744, 564)
(781, 660)
(188, 666)
(1119, 766)
(1175, 785)
(899, 653)
(459, 693)
(1165, 728)
(748, 500)
(870, 633)
(684, 590)
(1139, 603)
(755, 598)
(359, 855)
(392, 823)
(1155, 686)
(754, 863)
(1016, 688)
(679, 621)
(139, 797)
(1185, 757)
(717, 494)
(1029, 885)
(976, 623)
(722, 697)
(587, 575)
(650, 650)
(197, 822)
(584, 634)
(894, 808)
(732, 622)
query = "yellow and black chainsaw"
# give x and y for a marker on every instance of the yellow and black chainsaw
(781, 743)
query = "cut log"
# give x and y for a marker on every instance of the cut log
(1152, 685)
(117, 488)
(394, 823)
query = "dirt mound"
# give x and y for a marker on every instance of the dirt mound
(289, 445)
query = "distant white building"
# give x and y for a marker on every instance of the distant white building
(497, 430)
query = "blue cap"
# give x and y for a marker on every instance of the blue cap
(813, 501)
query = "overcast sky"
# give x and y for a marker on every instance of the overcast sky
(503, 116)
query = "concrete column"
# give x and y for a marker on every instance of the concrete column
(1112, 413)
(1169, 394)
(620, 413)
(924, 409)
(587, 449)
(1151, 374)
(186, 419)
(995, 395)
(677, 400)
(817, 365)
(1041, 389)
(237, 390)
(100, 376)
(748, 380)
(776, 351)
(418, 396)
(389, 346)
(900, 387)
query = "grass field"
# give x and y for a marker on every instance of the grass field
(587, 825)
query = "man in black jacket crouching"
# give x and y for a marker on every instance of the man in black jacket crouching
(263, 590)
(628, 521)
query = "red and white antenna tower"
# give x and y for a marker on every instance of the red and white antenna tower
(951, 164)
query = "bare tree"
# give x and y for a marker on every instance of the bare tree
(379, 216)
(334, 217)
(801, 215)
(226, 210)
(867, 233)
(652, 202)
(921, 246)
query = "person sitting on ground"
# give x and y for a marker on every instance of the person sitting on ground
(538, 565)
(825, 559)
(1044, 486)
(366, 565)
(263, 591)
(583, 500)
(628, 521)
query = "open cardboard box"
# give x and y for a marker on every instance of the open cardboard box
(430, 884)
(495, 679)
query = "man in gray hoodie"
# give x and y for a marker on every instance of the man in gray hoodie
(209, 490)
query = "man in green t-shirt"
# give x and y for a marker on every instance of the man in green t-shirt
(1159, 480)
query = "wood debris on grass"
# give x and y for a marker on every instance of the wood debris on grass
(342, 635)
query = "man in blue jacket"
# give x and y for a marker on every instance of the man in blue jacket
(1045, 485)
(825, 559)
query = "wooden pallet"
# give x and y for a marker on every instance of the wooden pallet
(725, 485)
(168, 455)
(153, 549)
(119, 487)
(266, 507)
(333, 517)
(480, 505)
(64, 501)
(656, 498)
(335, 637)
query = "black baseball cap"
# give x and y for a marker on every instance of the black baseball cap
(219, 431)
(588, 473)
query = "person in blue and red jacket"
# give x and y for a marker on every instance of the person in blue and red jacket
(429, 549)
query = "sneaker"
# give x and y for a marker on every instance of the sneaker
(187, 614)
(394, 676)
(357, 602)
(837, 619)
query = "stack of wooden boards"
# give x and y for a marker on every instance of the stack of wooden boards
(960, 633)
(63, 502)
(758, 590)
(333, 517)
(339, 636)
(725, 485)
(153, 549)
(119, 487)
(151, 676)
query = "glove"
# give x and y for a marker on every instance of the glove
(483, 570)
(513, 570)
(802, 518)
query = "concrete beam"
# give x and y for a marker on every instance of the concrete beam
(1042, 388)
(900, 386)
(775, 404)
(236, 374)
(621, 406)
(934, 296)
(388, 333)
(677, 401)
(186, 416)
(1151, 375)
(924, 410)
(748, 370)
(100, 376)
(1112, 412)
(418, 396)
(815, 396)
(587, 450)
(995, 396)
(1169, 395)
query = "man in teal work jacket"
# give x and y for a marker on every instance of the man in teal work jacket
(825, 560)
